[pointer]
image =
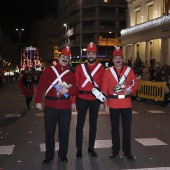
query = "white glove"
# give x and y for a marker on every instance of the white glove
(106, 108)
(73, 107)
(128, 90)
(101, 107)
(63, 90)
(39, 106)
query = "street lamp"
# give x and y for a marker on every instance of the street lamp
(80, 31)
(19, 31)
(65, 25)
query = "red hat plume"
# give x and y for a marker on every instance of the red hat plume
(91, 47)
(117, 51)
(66, 51)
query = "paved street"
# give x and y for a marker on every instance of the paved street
(22, 138)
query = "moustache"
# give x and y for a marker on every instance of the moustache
(65, 61)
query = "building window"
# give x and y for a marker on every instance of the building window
(138, 15)
(150, 12)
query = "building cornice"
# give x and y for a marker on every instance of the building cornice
(132, 2)
(146, 25)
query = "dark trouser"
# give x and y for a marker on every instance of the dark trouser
(126, 119)
(53, 116)
(82, 107)
(28, 100)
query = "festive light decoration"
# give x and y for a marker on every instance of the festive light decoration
(146, 25)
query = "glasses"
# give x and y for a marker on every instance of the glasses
(118, 58)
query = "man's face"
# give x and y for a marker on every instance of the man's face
(63, 60)
(91, 56)
(118, 61)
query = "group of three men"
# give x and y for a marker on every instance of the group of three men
(65, 92)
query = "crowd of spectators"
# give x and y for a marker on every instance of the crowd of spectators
(154, 72)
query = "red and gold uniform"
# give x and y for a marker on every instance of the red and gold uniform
(109, 82)
(81, 78)
(85, 100)
(57, 104)
(119, 82)
(46, 79)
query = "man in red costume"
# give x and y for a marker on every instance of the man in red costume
(57, 83)
(85, 99)
(119, 83)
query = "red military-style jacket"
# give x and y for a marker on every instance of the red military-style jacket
(48, 77)
(84, 84)
(109, 82)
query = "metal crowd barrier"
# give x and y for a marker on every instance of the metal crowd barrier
(151, 90)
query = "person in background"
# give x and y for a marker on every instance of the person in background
(119, 83)
(57, 84)
(86, 100)
(27, 86)
(146, 76)
(16, 73)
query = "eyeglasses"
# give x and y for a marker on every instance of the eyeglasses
(118, 58)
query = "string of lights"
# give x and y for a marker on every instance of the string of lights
(146, 25)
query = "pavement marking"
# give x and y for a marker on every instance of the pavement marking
(12, 115)
(150, 141)
(157, 168)
(106, 113)
(103, 144)
(39, 114)
(73, 113)
(100, 113)
(6, 150)
(134, 112)
(98, 144)
(155, 111)
(43, 149)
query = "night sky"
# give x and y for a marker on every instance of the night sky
(22, 14)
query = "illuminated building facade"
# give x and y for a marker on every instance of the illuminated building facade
(148, 31)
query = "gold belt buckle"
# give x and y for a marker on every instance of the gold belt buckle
(121, 96)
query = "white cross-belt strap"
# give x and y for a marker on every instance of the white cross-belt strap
(57, 79)
(114, 73)
(123, 77)
(92, 74)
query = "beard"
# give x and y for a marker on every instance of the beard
(91, 60)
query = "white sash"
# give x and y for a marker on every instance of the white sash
(123, 76)
(57, 79)
(87, 75)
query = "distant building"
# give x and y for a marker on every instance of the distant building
(83, 21)
(148, 31)
(44, 35)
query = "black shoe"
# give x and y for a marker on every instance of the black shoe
(79, 153)
(47, 161)
(114, 154)
(92, 152)
(63, 158)
(129, 156)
